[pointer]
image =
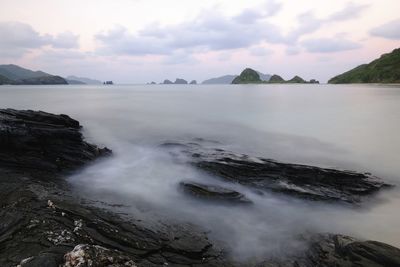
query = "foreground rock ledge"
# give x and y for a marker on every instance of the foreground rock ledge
(41, 225)
(266, 175)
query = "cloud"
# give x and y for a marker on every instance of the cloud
(252, 15)
(350, 11)
(213, 31)
(390, 30)
(292, 51)
(18, 38)
(309, 23)
(65, 40)
(119, 41)
(259, 51)
(210, 31)
(329, 45)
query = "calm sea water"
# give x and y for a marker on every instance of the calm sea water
(344, 126)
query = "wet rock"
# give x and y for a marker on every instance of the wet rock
(301, 181)
(92, 255)
(43, 141)
(41, 221)
(214, 193)
(338, 250)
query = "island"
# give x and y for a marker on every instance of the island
(385, 69)
(250, 76)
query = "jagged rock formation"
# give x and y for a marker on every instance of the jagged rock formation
(385, 69)
(44, 225)
(300, 181)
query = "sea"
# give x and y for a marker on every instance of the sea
(349, 127)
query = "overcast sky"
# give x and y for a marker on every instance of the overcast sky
(137, 41)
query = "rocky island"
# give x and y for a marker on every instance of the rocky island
(385, 69)
(43, 224)
(250, 76)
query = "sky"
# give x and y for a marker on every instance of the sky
(139, 41)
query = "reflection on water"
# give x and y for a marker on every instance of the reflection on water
(348, 127)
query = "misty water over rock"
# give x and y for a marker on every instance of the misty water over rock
(137, 193)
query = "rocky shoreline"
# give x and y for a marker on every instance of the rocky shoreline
(42, 224)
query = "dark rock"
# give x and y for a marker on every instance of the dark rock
(41, 221)
(214, 193)
(313, 81)
(302, 181)
(43, 141)
(338, 250)
(180, 81)
(193, 82)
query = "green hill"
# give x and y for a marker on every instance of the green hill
(385, 69)
(4, 80)
(13, 74)
(247, 76)
(276, 79)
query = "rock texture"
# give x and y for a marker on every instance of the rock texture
(301, 181)
(327, 250)
(214, 193)
(43, 141)
(43, 225)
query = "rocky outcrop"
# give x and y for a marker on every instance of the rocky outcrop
(44, 225)
(300, 181)
(328, 250)
(43, 141)
(193, 82)
(214, 193)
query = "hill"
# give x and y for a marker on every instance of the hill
(226, 79)
(252, 76)
(13, 74)
(247, 76)
(385, 69)
(83, 80)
